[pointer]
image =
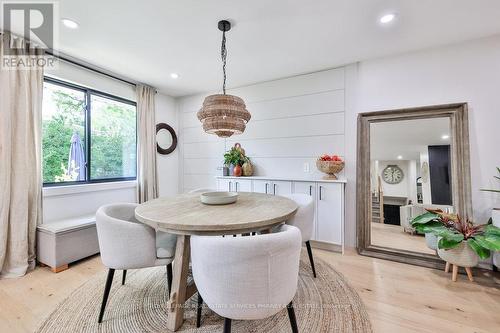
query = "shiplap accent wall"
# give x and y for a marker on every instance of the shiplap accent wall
(293, 121)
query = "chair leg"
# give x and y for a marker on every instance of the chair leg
(107, 288)
(169, 278)
(198, 310)
(227, 325)
(309, 252)
(293, 319)
(124, 276)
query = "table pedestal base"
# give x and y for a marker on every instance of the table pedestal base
(181, 291)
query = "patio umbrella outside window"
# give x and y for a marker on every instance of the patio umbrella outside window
(76, 159)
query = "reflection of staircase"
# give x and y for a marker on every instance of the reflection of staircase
(377, 204)
(375, 208)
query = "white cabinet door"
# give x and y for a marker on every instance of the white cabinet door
(330, 212)
(262, 186)
(225, 185)
(281, 187)
(308, 188)
(242, 185)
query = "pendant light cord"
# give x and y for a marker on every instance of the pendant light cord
(223, 54)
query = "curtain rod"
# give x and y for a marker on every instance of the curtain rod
(87, 67)
(79, 64)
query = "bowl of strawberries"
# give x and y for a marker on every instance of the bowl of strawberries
(330, 164)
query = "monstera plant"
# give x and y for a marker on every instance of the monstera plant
(452, 230)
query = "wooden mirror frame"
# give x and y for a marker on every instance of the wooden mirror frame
(460, 168)
(166, 151)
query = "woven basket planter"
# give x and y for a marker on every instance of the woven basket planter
(462, 256)
(331, 168)
(431, 241)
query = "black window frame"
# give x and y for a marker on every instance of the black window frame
(88, 129)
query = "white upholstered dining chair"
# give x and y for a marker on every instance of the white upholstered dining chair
(247, 278)
(125, 243)
(304, 220)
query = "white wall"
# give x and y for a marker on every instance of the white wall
(294, 120)
(167, 166)
(80, 76)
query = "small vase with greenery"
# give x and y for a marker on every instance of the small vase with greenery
(234, 157)
(452, 231)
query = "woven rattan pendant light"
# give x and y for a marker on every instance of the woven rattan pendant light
(221, 114)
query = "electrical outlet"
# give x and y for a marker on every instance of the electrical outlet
(306, 167)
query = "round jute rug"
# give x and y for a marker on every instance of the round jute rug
(324, 304)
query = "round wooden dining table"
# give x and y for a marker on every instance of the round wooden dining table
(185, 215)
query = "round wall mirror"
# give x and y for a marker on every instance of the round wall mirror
(166, 139)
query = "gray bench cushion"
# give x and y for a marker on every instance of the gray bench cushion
(68, 225)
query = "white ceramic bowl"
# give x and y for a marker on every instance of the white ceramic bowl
(218, 198)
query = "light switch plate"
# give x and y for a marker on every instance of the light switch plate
(306, 167)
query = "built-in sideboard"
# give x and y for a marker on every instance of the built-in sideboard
(328, 198)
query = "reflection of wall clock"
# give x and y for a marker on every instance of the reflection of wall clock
(392, 174)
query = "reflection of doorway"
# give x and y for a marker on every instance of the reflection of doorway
(440, 170)
(420, 196)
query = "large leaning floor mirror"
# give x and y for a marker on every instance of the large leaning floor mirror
(410, 160)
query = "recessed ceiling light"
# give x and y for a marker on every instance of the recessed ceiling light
(70, 23)
(400, 157)
(445, 137)
(387, 18)
(174, 75)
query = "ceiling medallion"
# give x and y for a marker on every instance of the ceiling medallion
(221, 114)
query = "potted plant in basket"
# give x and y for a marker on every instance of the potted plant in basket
(460, 242)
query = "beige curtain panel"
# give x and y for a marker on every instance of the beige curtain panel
(20, 161)
(147, 187)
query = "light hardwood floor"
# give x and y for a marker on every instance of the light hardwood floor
(399, 297)
(394, 236)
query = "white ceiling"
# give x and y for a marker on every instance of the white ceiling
(148, 40)
(406, 138)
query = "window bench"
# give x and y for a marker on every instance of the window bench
(62, 242)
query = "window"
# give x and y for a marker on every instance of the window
(88, 136)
